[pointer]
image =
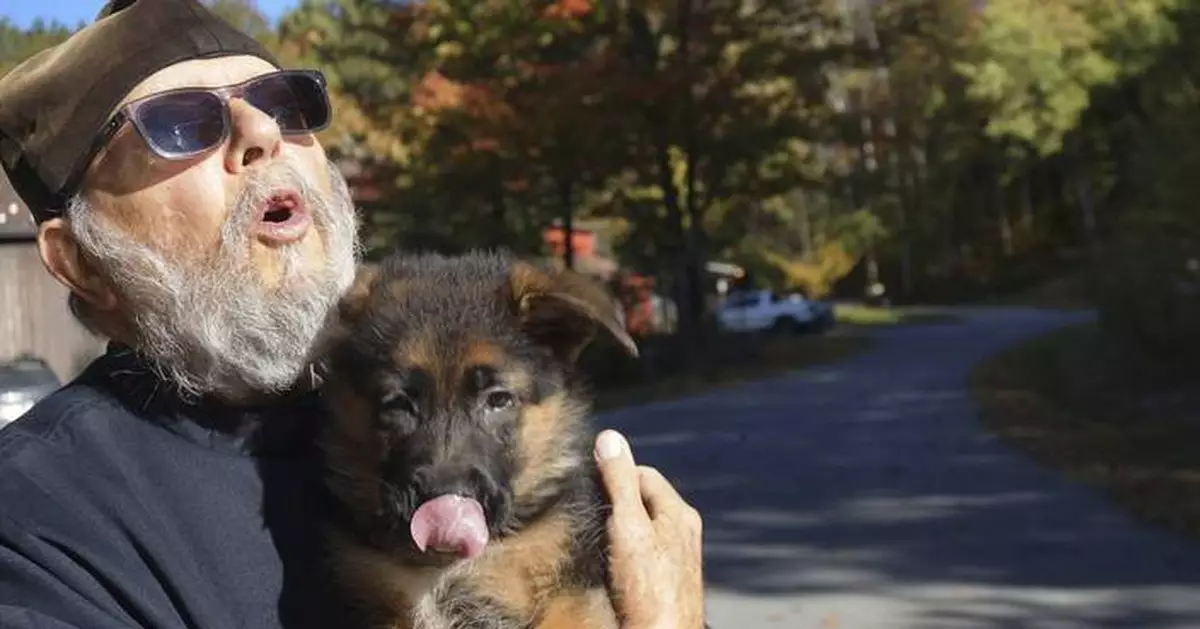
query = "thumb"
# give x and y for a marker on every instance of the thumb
(619, 473)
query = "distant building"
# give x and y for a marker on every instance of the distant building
(589, 248)
(34, 318)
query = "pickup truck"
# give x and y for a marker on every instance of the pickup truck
(767, 311)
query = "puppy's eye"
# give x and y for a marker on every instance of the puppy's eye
(499, 400)
(399, 402)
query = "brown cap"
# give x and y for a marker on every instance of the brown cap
(54, 105)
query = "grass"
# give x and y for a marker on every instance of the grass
(1101, 415)
(862, 315)
(777, 357)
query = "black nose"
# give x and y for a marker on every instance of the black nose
(465, 480)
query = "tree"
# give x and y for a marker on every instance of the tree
(604, 104)
(243, 15)
(17, 45)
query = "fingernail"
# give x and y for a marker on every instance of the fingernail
(608, 445)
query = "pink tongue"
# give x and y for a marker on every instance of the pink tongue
(450, 523)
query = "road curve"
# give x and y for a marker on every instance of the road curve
(865, 495)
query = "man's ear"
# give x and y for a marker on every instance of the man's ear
(63, 258)
(562, 310)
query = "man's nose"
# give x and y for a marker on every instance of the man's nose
(255, 137)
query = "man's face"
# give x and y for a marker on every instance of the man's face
(223, 265)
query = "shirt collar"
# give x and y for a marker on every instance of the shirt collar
(283, 427)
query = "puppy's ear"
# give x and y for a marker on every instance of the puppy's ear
(354, 302)
(562, 310)
(341, 318)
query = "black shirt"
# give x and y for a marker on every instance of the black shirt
(122, 506)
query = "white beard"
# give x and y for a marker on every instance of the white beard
(210, 326)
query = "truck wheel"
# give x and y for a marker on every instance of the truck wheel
(786, 325)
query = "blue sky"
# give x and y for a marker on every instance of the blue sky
(71, 12)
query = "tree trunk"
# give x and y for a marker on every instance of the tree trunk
(992, 180)
(565, 189)
(695, 245)
(499, 236)
(1081, 181)
(1004, 226)
(675, 218)
(1027, 218)
(694, 239)
(804, 222)
(1003, 221)
(901, 158)
(1083, 189)
(919, 216)
(643, 52)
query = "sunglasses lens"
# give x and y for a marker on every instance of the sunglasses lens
(297, 101)
(182, 123)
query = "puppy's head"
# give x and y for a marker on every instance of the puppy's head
(455, 418)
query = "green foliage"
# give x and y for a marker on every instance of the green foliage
(1148, 282)
(1034, 64)
(16, 44)
(242, 14)
(677, 117)
(962, 147)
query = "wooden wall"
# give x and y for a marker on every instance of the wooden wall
(34, 317)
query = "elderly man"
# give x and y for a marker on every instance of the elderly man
(184, 201)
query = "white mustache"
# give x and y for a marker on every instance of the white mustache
(207, 323)
(260, 186)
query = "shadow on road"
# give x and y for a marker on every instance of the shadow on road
(873, 478)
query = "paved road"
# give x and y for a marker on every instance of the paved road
(864, 495)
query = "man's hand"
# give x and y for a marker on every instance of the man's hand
(655, 537)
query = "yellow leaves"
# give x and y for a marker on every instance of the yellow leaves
(449, 50)
(1035, 62)
(816, 274)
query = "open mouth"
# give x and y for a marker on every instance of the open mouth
(281, 207)
(284, 218)
(278, 213)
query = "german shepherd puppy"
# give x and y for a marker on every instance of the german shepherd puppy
(459, 449)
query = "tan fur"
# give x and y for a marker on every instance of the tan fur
(570, 291)
(518, 380)
(526, 577)
(525, 279)
(481, 352)
(539, 451)
(522, 571)
(353, 452)
(588, 610)
(397, 288)
(416, 352)
(524, 565)
(359, 294)
(375, 581)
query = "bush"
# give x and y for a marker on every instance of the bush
(604, 364)
(1148, 282)
(1147, 289)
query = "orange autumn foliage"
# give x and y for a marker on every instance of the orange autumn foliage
(567, 9)
(436, 92)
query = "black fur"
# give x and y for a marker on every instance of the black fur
(445, 426)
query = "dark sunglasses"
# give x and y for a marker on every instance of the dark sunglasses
(182, 123)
